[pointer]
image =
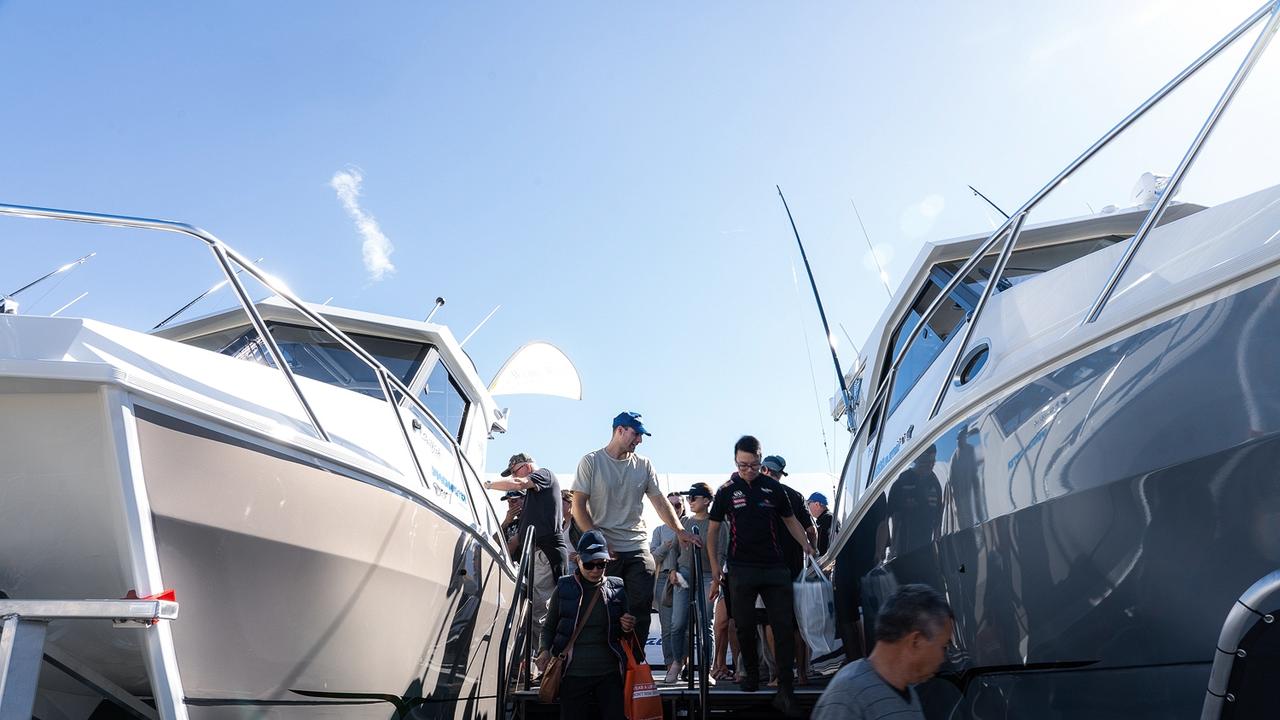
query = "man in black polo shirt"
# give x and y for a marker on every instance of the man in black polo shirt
(758, 511)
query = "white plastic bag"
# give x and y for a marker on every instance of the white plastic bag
(816, 610)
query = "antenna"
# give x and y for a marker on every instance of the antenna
(73, 302)
(477, 328)
(436, 309)
(884, 277)
(216, 287)
(853, 344)
(822, 423)
(984, 197)
(50, 274)
(826, 329)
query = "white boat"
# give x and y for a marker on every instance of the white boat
(333, 553)
(1071, 429)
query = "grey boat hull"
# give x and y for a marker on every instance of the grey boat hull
(1093, 528)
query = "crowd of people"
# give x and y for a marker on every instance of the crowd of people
(598, 574)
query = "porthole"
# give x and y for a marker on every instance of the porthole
(972, 364)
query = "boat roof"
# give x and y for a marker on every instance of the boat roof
(1123, 222)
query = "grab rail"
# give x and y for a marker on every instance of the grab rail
(520, 597)
(1247, 612)
(698, 611)
(388, 383)
(1012, 226)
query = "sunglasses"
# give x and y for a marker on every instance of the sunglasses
(594, 565)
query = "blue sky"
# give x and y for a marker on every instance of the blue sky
(603, 172)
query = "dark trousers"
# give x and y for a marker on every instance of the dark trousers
(636, 567)
(773, 584)
(553, 547)
(576, 694)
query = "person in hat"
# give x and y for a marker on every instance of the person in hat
(608, 492)
(754, 504)
(544, 513)
(821, 520)
(542, 507)
(774, 466)
(596, 664)
(511, 522)
(679, 569)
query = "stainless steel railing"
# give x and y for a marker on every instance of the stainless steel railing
(521, 602)
(1012, 227)
(226, 258)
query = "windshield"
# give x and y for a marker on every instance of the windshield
(313, 354)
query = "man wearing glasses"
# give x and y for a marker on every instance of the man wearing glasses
(754, 505)
(608, 492)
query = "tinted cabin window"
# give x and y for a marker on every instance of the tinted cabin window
(313, 354)
(927, 345)
(445, 400)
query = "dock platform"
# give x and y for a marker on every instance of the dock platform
(679, 701)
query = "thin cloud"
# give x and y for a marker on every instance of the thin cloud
(375, 246)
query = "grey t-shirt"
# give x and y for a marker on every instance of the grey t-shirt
(617, 489)
(857, 692)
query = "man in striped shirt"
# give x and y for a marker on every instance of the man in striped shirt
(912, 633)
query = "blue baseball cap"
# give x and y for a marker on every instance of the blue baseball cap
(592, 546)
(818, 498)
(776, 463)
(631, 420)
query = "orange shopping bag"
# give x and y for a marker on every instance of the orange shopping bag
(640, 699)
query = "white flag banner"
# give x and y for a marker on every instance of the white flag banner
(538, 368)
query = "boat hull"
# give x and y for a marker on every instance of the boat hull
(306, 588)
(1093, 527)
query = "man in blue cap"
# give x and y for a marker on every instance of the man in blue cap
(608, 492)
(821, 520)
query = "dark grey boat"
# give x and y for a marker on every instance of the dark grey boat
(1078, 443)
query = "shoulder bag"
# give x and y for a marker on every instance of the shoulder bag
(549, 689)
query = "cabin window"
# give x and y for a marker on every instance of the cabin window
(445, 400)
(928, 344)
(313, 354)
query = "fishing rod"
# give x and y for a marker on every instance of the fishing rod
(216, 287)
(844, 389)
(984, 197)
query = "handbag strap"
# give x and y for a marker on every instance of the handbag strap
(585, 616)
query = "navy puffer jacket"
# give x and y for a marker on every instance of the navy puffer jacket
(568, 602)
